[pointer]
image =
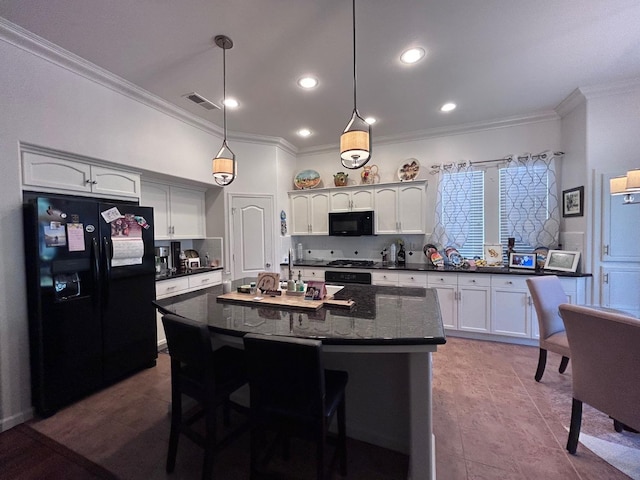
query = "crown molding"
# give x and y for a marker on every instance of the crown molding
(445, 131)
(616, 88)
(571, 102)
(263, 140)
(38, 46)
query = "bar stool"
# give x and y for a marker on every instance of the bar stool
(294, 395)
(207, 376)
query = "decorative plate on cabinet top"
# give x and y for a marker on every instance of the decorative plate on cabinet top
(306, 179)
(409, 170)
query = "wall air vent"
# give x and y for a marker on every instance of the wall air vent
(200, 100)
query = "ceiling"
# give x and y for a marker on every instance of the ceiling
(495, 59)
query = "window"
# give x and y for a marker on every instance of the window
(462, 211)
(490, 205)
(524, 204)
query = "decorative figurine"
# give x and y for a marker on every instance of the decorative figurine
(340, 179)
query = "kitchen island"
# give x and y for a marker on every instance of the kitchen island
(384, 341)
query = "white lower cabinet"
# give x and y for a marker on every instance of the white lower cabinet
(399, 279)
(464, 300)
(384, 277)
(513, 312)
(511, 306)
(316, 274)
(178, 286)
(496, 305)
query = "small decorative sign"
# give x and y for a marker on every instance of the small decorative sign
(315, 290)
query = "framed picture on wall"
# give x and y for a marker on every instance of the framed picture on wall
(562, 260)
(573, 202)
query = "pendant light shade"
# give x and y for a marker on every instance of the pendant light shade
(355, 141)
(626, 185)
(224, 164)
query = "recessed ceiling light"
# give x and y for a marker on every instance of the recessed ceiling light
(304, 132)
(447, 107)
(231, 103)
(412, 55)
(308, 82)
(370, 120)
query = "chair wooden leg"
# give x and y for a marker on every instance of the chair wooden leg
(618, 426)
(342, 437)
(176, 422)
(542, 361)
(574, 429)
(209, 442)
(563, 364)
(321, 437)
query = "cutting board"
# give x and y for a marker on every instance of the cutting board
(290, 301)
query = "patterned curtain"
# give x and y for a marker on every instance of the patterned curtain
(453, 205)
(530, 199)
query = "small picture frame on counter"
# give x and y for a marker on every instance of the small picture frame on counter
(193, 263)
(526, 261)
(562, 261)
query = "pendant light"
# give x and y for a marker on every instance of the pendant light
(627, 185)
(355, 141)
(224, 163)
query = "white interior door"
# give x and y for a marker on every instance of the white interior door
(251, 245)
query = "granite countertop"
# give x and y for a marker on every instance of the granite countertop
(192, 271)
(381, 316)
(423, 267)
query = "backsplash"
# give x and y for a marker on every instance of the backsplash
(358, 248)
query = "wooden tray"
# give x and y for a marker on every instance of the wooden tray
(285, 300)
(290, 301)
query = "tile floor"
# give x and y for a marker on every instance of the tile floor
(491, 421)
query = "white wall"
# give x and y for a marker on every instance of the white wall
(613, 147)
(48, 104)
(475, 145)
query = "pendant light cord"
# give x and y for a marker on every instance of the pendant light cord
(355, 103)
(224, 90)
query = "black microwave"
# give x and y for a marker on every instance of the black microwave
(351, 224)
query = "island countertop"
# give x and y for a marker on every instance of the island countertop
(381, 315)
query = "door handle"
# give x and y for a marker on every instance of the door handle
(107, 255)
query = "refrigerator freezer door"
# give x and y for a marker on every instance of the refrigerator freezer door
(65, 329)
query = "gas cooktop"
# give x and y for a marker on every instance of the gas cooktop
(350, 263)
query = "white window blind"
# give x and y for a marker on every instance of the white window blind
(524, 203)
(462, 211)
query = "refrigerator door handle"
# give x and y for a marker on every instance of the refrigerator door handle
(95, 260)
(107, 254)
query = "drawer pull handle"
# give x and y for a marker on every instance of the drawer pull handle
(171, 288)
(204, 280)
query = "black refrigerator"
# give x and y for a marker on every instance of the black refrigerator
(90, 268)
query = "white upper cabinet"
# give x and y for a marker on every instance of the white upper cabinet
(309, 213)
(401, 208)
(351, 199)
(178, 212)
(51, 173)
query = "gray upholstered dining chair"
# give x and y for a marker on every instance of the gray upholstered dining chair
(547, 295)
(606, 362)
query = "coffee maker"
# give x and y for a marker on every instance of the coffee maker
(162, 260)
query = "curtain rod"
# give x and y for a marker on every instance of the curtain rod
(508, 159)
